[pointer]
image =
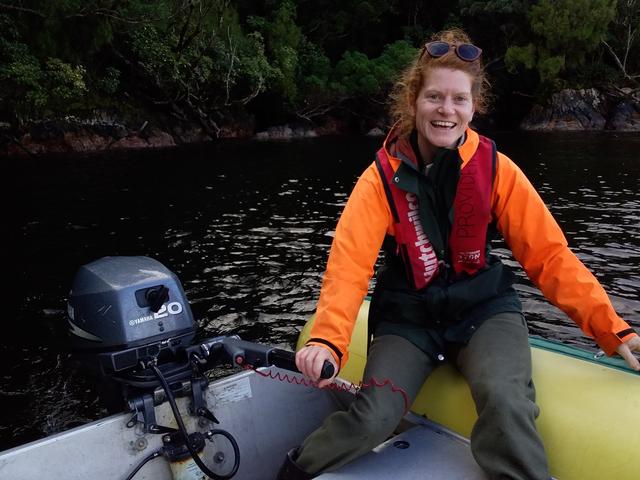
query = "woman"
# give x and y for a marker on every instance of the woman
(435, 195)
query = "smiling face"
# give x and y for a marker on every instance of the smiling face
(443, 109)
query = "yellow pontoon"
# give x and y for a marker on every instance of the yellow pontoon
(590, 405)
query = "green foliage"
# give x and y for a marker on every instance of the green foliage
(493, 7)
(68, 29)
(19, 67)
(109, 82)
(357, 75)
(516, 56)
(566, 32)
(31, 88)
(65, 82)
(282, 37)
(497, 25)
(623, 39)
(550, 66)
(578, 25)
(254, 70)
(199, 59)
(347, 25)
(395, 58)
(314, 68)
(198, 54)
(154, 53)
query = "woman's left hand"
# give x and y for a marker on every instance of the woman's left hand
(625, 350)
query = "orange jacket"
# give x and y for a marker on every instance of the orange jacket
(525, 223)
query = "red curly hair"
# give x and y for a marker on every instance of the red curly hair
(406, 89)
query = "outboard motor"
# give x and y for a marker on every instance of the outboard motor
(122, 310)
(130, 322)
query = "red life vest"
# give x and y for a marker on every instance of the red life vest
(471, 217)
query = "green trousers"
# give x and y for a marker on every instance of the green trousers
(497, 365)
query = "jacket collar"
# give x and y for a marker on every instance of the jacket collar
(403, 158)
(399, 147)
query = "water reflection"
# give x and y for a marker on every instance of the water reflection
(247, 228)
(589, 182)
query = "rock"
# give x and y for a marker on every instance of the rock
(375, 132)
(190, 134)
(285, 132)
(83, 141)
(590, 109)
(304, 133)
(70, 134)
(47, 131)
(625, 116)
(569, 110)
(155, 140)
(281, 133)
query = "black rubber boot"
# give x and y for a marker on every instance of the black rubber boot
(290, 470)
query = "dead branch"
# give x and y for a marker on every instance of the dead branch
(23, 9)
(232, 57)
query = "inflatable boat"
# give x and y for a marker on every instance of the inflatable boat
(130, 322)
(589, 404)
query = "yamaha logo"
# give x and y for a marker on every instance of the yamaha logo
(172, 308)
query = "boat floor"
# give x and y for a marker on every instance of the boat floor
(267, 419)
(425, 451)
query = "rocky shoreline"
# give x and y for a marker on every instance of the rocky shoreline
(569, 110)
(75, 135)
(587, 110)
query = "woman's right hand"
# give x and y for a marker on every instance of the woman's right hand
(310, 360)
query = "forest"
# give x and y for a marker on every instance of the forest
(216, 63)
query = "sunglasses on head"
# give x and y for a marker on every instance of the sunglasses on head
(465, 51)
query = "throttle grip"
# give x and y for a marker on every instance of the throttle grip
(287, 360)
(327, 370)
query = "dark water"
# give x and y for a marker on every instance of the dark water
(246, 226)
